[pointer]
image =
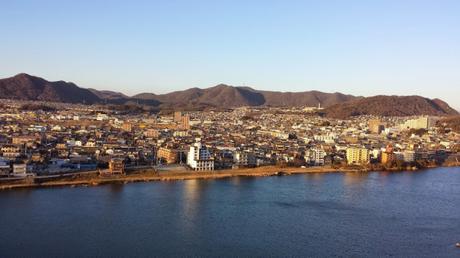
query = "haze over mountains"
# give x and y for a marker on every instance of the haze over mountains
(27, 87)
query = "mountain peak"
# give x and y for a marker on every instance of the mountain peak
(23, 75)
(26, 76)
(27, 87)
(223, 85)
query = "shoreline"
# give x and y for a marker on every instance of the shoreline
(149, 176)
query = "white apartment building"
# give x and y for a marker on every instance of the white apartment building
(424, 122)
(315, 156)
(244, 158)
(329, 138)
(199, 158)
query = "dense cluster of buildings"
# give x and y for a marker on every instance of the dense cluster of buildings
(77, 138)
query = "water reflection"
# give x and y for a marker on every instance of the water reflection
(236, 181)
(354, 187)
(315, 176)
(191, 195)
(116, 188)
(354, 179)
(22, 193)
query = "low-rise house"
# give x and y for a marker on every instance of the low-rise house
(116, 166)
(5, 168)
(20, 170)
(167, 155)
(11, 151)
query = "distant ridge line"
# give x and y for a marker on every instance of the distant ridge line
(27, 87)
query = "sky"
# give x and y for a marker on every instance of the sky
(371, 47)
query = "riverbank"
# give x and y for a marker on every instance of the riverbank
(150, 175)
(146, 175)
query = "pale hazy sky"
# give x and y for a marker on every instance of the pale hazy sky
(402, 47)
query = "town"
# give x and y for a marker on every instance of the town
(45, 139)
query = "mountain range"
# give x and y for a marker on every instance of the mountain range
(27, 87)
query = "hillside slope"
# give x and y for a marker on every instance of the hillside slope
(390, 106)
(27, 87)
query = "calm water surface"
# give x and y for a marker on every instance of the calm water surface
(409, 214)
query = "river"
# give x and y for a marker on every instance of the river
(402, 214)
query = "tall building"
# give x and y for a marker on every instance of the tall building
(357, 155)
(185, 122)
(376, 126)
(199, 158)
(182, 120)
(177, 116)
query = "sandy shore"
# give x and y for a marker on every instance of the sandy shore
(150, 175)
